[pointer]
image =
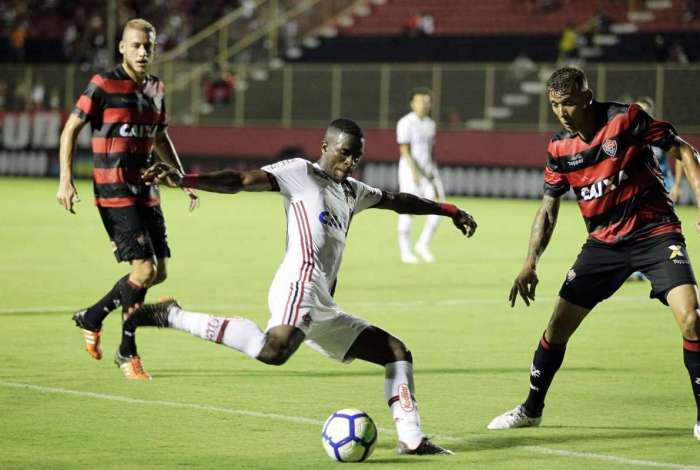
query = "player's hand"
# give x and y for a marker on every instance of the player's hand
(524, 285)
(194, 197)
(162, 173)
(67, 195)
(465, 222)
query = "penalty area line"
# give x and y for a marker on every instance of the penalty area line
(316, 422)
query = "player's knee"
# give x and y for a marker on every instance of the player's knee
(275, 354)
(161, 275)
(145, 274)
(398, 351)
(690, 323)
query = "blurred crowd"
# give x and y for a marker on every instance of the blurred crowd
(77, 29)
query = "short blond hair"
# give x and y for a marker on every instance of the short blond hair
(139, 24)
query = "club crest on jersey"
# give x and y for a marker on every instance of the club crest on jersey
(331, 220)
(571, 275)
(610, 147)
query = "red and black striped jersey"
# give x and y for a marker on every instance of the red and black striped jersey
(615, 177)
(125, 117)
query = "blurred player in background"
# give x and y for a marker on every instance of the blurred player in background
(604, 153)
(418, 173)
(126, 111)
(672, 174)
(320, 200)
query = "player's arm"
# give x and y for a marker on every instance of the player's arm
(675, 191)
(164, 150)
(540, 234)
(405, 203)
(416, 170)
(223, 181)
(689, 158)
(67, 195)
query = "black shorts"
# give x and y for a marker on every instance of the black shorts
(601, 269)
(136, 232)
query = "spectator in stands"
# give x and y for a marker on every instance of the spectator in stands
(411, 25)
(661, 52)
(426, 25)
(690, 10)
(677, 54)
(18, 39)
(568, 44)
(219, 86)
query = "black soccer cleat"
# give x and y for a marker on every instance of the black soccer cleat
(153, 314)
(426, 447)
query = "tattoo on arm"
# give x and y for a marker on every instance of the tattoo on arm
(542, 228)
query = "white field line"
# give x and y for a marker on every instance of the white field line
(316, 422)
(607, 458)
(360, 304)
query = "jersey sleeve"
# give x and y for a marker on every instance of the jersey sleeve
(91, 103)
(366, 196)
(647, 130)
(403, 132)
(291, 176)
(555, 183)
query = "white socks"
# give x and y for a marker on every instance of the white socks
(399, 393)
(235, 332)
(431, 224)
(405, 234)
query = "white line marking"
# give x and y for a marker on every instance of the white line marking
(608, 458)
(316, 422)
(360, 304)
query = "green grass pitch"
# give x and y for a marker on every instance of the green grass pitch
(621, 400)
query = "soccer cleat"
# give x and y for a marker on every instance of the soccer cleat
(696, 431)
(515, 418)
(91, 336)
(424, 253)
(131, 367)
(426, 447)
(409, 258)
(154, 314)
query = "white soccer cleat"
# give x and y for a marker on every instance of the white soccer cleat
(425, 253)
(409, 258)
(515, 418)
(696, 431)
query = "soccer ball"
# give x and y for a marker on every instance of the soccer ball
(349, 435)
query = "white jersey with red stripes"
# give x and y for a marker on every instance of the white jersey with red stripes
(319, 211)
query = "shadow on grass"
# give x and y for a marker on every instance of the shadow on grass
(552, 435)
(345, 372)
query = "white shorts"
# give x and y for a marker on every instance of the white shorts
(328, 329)
(426, 188)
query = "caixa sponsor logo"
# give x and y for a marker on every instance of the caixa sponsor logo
(603, 187)
(138, 130)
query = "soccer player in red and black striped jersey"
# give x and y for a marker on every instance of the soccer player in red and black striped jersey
(604, 155)
(125, 108)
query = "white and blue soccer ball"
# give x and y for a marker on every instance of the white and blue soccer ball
(349, 435)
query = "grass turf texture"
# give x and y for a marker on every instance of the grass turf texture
(622, 392)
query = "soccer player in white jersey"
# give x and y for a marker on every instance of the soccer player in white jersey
(320, 200)
(418, 173)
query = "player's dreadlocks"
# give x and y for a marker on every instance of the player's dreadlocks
(566, 80)
(347, 126)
